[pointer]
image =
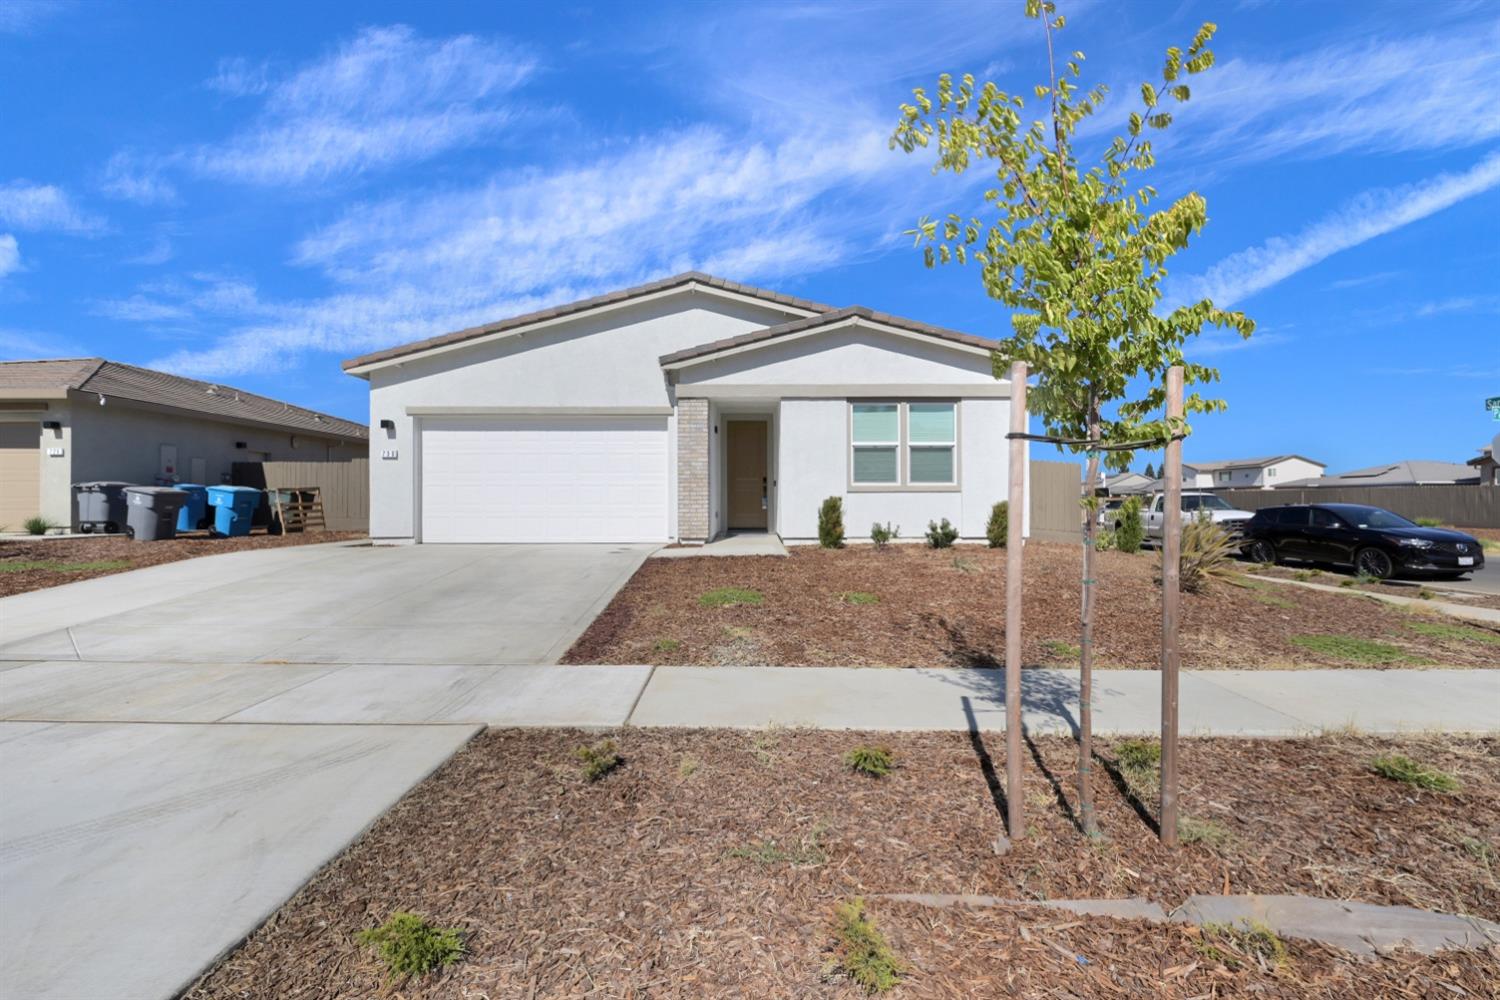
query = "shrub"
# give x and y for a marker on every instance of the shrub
(831, 523)
(37, 525)
(410, 946)
(598, 760)
(1139, 757)
(1430, 522)
(1104, 539)
(1232, 946)
(883, 534)
(1131, 531)
(998, 529)
(1398, 767)
(877, 762)
(862, 952)
(941, 535)
(1207, 552)
(729, 597)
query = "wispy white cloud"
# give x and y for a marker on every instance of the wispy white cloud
(19, 17)
(388, 96)
(1372, 214)
(160, 251)
(132, 177)
(193, 298)
(1460, 304)
(44, 207)
(239, 77)
(1215, 342)
(10, 254)
(1360, 281)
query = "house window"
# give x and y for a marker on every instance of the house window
(1223, 477)
(1271, 473)
(904, 444)
(877, 443)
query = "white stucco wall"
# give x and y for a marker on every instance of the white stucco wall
(814, 464)
(852, 355)
(601, 360)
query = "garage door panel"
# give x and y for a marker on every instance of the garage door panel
(551, 479)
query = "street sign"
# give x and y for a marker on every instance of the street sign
(1493, 405)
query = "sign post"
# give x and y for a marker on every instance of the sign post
(1015, 800)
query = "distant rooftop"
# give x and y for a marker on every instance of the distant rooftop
(1249, 463)
(143, 385)
(1407, 472)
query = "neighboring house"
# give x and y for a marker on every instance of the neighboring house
(1489, 468)
(678, 411)
(1409, 472)
(1253, 473)
(1126, 483)
(85, 419)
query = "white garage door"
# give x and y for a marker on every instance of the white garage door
(544, 479)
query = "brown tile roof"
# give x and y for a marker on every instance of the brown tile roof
(836, 316)
(113, 379)
(557, 312)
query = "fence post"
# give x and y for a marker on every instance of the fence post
(1171, 657)
(1015, 800)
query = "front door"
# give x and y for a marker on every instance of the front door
(746, 454)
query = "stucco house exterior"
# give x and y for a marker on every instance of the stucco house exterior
(681, 410)
(83, 419)
(1264, 473)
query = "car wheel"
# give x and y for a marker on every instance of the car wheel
(1373, 562)
(1260, 551)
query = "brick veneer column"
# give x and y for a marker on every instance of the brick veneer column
(692, 470)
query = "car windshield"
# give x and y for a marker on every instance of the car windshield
(1375, 517)
(1205, 503)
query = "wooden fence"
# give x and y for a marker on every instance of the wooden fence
(1055, 489)
(1460, 506)
(345, 486)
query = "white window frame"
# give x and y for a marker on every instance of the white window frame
(904, 446)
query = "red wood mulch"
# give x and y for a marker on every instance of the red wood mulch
(937, 608)
(708, 865)
(66, 560)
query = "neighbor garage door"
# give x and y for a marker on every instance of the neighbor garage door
(20, 473)
(544, 479)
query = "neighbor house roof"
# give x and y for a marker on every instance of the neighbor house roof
(112, 379)
(1250, 463)
(1486, 456)
(826, 319)
(1408, 472)
(687, 278)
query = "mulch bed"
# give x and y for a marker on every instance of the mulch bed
(1413, 587)
(937, 608)
(66, 560)
(709, 864)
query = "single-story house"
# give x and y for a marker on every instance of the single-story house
(1407, 472)
(85, 419)
(681, 410)
(1253, 473)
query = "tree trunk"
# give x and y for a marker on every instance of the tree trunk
(1086, 817)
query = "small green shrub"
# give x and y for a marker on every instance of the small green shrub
(37, 525)
(1344, 647)
(1104, 539)
(1131, 533)
(998, 528)
(729, 597)
(859, 597)
(1139, 757)
(1233, 945)
(1430, 522)
(599, 759)
(883, 534)
(1398, 767)
(941, 534)
(862, 952)
(410, 946)
(831, 523)
(877, 762)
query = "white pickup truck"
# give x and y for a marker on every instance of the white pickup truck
(1194, 504)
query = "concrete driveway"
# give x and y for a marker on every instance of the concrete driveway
(449, 604)
(152, 815)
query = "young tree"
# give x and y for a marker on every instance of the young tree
(1072, 250)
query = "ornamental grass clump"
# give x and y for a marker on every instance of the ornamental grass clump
(598, 760)
(410, 946)
(1398, 767)
(877, 762)
(1207, 552)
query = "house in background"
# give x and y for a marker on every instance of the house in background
(678, 411)
(1408, 472)
(85, 419)
(1488, 466)
(1128, 483)
(1252, 473)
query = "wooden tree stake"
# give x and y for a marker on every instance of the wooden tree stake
(1014, 798)
(1171, 655)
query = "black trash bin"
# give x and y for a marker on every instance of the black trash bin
(153, 512)
(100, 505)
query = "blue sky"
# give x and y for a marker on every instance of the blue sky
(250, 193)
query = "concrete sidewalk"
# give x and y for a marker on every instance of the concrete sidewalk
(1269, 703)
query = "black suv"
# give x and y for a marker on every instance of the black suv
(1374, 541)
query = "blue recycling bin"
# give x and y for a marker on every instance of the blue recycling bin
(233, 507)
(194, 508)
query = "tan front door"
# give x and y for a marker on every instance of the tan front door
(20, 473)
(746, 451)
